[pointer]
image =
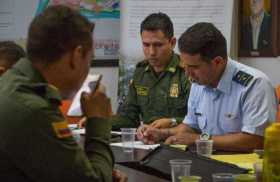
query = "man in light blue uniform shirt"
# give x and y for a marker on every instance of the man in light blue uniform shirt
(231, 102)
(233, 106)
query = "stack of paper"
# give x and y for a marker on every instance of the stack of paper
(138, 145)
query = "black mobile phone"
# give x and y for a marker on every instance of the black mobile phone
(93, 85)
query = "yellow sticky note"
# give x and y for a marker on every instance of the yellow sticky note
(182, 147)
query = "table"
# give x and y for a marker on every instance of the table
(134, 175)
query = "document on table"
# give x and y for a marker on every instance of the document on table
(81, 131)
(241, 160)
(138, 145)
(75, 108)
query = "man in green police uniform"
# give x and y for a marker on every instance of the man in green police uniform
(159, 90)
(10, 53)
(35, 141)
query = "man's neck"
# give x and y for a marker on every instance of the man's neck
(257, 16)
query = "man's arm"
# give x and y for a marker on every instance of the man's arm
(153, 135)
(129, 114)
(243, 142)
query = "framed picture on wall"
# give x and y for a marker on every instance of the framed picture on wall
(258, 28)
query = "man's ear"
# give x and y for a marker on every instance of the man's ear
(173, 42)
(218, 60)
(76, 56)
(2, 70)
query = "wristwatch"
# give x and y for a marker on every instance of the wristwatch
(173, 122)
(205, 136)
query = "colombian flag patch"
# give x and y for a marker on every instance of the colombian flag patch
(61, 129)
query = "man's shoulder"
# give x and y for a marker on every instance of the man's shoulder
(23, 93)
(246, 75)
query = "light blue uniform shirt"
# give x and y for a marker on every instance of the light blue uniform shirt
(246, 105)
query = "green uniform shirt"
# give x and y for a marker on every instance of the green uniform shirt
(152, 97)
(35, 142)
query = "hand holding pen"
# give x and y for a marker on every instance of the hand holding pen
(96, 103)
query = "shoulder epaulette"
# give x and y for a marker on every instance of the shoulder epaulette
(242, 78)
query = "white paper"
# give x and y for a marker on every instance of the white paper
(138, 145)
(75, 108)
(116, 132)
(79, 131)
(82, 131)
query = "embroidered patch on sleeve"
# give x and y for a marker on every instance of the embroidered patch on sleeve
(61, 129)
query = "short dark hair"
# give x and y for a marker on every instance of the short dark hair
(10, 53)
(57, 30)
(204, 39)
(158, 21)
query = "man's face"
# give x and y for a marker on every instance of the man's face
(157, 48)
(80, 73)
(256, 6)
(198, 70)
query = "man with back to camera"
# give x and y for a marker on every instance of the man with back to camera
(159, 90)
(231, 102)
(35, 141)
(10, 53)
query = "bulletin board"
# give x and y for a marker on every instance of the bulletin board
(16, 15)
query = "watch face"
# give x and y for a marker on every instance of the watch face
(173, 122)
(204, 136)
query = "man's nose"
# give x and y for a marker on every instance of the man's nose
(152, 50)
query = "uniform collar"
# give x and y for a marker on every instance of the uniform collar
(38, 82)
(172, 66)
(225, 81)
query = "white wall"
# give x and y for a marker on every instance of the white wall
(110, 80)
(270, 66)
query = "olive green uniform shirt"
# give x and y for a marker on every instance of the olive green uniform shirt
(151, 97)
(35, 141)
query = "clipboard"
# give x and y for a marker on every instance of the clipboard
(157, 163)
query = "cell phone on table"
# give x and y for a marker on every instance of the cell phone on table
(93, 85)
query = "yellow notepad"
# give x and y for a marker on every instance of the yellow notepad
(241, 160)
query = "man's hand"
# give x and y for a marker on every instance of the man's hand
(151, 135)
(119, 176)
(141, 130)
(162, 123)
(82, 122)
(182, 138)
(96, 104)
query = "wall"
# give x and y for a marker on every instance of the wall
(270, 66)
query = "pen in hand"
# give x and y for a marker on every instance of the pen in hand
(141, 130)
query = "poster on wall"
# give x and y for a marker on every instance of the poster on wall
(182, 13)
(106, 16)
(258, 28)
(16, 15)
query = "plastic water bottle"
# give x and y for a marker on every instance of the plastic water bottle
(271, 160)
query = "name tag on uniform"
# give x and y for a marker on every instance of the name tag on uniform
(141, 90)
(61, 129)
(174, 90)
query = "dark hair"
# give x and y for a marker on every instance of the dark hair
(57, 30)
(158, 21)
(10, 53)
(204, 39)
